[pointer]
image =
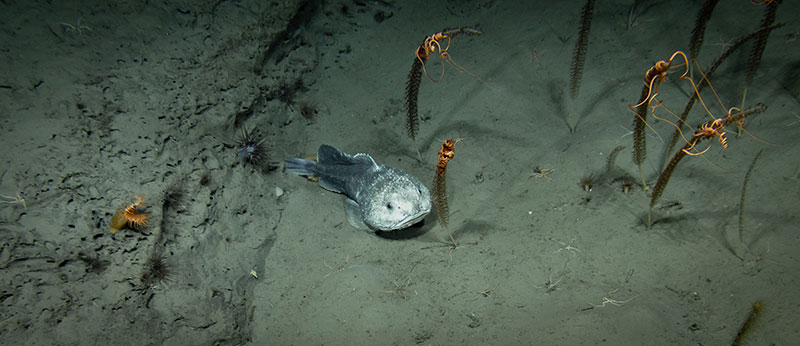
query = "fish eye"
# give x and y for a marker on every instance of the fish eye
(389, 206)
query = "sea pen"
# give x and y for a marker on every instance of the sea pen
(412, 93)
(700, 27)
(759, 46)
(446, 153)
(757, 310)
(706, 81)
(438, 43)
(578, 60)
(707, 130)
(744, 192)
(579, 53)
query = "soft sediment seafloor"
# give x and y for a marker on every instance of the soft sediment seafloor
(102, 102)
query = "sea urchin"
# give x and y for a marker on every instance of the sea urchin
(251, 149)
(156, 270)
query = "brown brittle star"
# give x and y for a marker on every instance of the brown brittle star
(794, 122)
(77, 27)
(486, 292)
(607, 300)
(627, 132)
(549, 286)
(541, 173)
(533, 54)
(401, 290)
(15, 200)
(336, 270)
(724, 45)
(568, 247)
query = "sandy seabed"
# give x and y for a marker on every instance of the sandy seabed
(103, 101)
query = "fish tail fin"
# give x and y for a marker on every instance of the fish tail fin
(301, 166)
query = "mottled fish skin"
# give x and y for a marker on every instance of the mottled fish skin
(378, 197)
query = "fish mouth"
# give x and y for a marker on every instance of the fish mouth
(409, 220)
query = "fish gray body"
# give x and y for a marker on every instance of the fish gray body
(378, 197)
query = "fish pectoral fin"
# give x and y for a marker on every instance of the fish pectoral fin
(330, 185)
(354, 215)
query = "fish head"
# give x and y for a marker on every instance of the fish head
(398, 203)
